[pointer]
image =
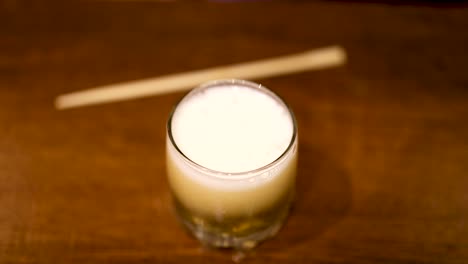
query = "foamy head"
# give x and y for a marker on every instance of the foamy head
(232, 127)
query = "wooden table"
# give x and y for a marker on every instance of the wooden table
(383, 141)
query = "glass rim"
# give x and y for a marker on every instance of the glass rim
(233, 175)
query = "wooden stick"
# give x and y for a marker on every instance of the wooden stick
(310, 60)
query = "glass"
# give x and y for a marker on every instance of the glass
(224, 209)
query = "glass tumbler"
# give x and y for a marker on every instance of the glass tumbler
(225, 208)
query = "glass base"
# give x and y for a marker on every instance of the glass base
(239, 233)
(224, 240)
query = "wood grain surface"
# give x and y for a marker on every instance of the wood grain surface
(383, 169)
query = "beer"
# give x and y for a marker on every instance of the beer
(231, 162)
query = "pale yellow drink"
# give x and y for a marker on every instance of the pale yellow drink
(231, 162)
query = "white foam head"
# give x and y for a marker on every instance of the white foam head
(232, 127)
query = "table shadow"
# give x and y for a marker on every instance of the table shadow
(323, 197)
